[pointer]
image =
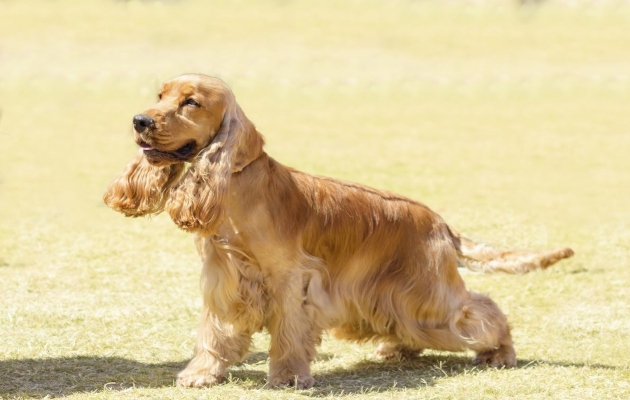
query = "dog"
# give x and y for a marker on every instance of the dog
(298, 254)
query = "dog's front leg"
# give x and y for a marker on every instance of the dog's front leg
(225, 331)
(219, 345)
(295, 331)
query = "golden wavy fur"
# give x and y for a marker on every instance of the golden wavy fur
(299, 254)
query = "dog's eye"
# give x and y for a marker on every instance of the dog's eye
(159, 96)
(190, 102)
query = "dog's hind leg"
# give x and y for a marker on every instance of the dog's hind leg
(482, 327)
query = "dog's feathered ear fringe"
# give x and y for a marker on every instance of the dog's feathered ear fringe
(142, 188)
(197, 203)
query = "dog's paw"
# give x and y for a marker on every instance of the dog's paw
(197, 379)
(295, 381)
(504, 356)
(388, 351)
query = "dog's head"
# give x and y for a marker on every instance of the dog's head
(188, 115)
(196, 120)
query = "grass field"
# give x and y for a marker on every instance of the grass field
(513, 124)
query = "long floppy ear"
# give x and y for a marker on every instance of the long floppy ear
(141, 188)
(197, 202)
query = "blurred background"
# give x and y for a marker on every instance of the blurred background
(511, 119)
(437, 99)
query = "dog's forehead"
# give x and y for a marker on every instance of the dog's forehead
(190, 84)
(179, 88)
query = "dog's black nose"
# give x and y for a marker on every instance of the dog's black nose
(141, 122)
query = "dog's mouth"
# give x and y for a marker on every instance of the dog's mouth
(183, 153)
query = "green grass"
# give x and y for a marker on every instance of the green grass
(512, 123)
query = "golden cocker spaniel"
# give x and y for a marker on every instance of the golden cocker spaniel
(299, 254)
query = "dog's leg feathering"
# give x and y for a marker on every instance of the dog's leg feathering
(218, 346)
(233, 304)
(295, 324)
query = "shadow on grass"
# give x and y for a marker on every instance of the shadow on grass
(388, 376)
(56, 377)
(63, 376)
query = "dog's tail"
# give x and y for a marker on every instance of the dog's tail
(483, 257)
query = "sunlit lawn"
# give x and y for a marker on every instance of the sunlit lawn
(513, 124)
